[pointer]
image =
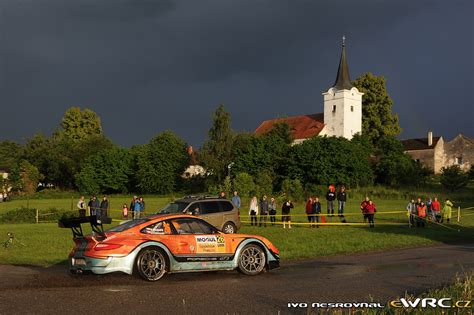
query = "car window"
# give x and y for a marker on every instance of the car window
(174, 207)
(210, 207)
(127, 225)
(194, 209)
(192, 226)
(226, 206)
(159, 228)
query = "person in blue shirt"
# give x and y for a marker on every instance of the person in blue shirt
(137, 210)
(236, 200)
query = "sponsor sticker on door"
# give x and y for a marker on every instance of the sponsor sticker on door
(210, 244)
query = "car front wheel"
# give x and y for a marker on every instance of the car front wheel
(151, 264)
(252, 260)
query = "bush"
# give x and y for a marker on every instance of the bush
(292, 188)
(264, 184)
(244, 184)
(453, 178)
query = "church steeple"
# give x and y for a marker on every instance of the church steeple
(343, 80)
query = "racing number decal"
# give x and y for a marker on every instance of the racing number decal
(210, 244)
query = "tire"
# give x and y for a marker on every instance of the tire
(229, 228)
(252, 260)
(151, 263)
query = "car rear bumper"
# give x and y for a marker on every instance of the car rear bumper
(104, 265)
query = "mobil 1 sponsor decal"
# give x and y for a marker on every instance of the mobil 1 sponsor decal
(210, 244)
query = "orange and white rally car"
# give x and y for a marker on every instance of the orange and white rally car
(169, 243)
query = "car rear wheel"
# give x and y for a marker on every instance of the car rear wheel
(151, 264)
(229, 228)
(252, 260)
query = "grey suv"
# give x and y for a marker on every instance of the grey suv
(219, 212)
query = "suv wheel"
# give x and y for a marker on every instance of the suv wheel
(229, 228)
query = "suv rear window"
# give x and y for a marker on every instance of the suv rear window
(209, 207)
(226, 206)
(174, 207)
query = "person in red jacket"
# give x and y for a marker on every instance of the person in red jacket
(363, 206)
(370, 212)
(309, 210)
(436, 208)
(421, 214)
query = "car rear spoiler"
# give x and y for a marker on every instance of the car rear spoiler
(75, 224)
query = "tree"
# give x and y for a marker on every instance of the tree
(10, 153)
(377, 117)
(216, 152)
(264, 183)
(292, 188)
(453, 178)
(161, 163)
(326, 160)
(244, 184)
(80, 124)
(108, 171)
(24, 178)
(281, 131)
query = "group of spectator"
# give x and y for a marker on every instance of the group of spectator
(341, 196)
(94, 207)
(136, 209)
(419, 212)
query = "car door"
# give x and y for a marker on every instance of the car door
(211, 213)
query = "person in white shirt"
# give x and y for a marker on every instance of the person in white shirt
(253, 211)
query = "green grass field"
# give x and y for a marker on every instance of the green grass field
(45, 244)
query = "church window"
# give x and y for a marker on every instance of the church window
(458, 160)
(352, 108)
(333, 108)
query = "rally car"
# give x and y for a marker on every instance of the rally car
(166, 243)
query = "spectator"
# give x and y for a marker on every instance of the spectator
(94, 206)
(447, 210)
(341, 200)
(309, 210)
(264, 207)
(142, 205)
(104, 207)
(253, 211)
(222, 195)
(236, 200)
(436, 209)
(316, 210)
(412, 212)
(422, 212)
(125, 211)
(272, 210)
(370, 210)
(132, 206)
(363, 207)
(285, 211)
(330, 197)
(137, 209)
(429, 213)
(81, 206)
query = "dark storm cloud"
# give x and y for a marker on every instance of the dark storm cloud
(146, 66)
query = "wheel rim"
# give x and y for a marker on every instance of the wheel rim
(253, 259)
(229, 229)
(152, 265)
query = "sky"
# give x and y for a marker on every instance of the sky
(146, 66)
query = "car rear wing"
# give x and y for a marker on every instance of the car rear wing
(75, 224)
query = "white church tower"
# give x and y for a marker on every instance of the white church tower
(343, 104)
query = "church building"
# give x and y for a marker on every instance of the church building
(342, 115)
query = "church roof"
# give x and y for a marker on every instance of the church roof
(419, 144)
(302, 126)
(343, 79)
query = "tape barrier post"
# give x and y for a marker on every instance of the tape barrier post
(459, 214)
(37, 216)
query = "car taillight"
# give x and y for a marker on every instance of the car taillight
(105, 246)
